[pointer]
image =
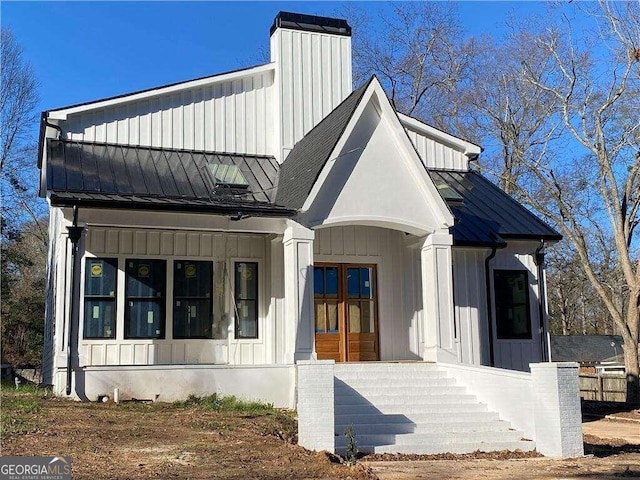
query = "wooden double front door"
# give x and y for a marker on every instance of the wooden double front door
(346, 312)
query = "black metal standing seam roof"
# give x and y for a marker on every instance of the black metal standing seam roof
(100, 174)
(487, 216)
(302, 166)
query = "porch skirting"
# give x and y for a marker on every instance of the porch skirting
(167, 383)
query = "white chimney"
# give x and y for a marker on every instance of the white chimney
(313, 72)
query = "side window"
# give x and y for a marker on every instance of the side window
(145, 298)
(100, 292)
(513, 320)
(192, 300)
(246, 299)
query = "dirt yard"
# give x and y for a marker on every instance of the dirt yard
(199, 440)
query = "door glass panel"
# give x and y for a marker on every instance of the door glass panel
(368, 320)
(320, 317)
(354, 317)
(318, 281)
(331, 282)
(353, 282)
(365, 283)
(332, 317)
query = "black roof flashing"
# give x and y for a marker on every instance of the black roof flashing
(311, 23)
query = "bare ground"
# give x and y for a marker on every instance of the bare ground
(143, 441)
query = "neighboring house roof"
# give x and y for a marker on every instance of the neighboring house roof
(304, 163)
(587, 348)
(107, 175)
(486, 215)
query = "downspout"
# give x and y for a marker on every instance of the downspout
(538, 259)
(75, 233)
(487, 279)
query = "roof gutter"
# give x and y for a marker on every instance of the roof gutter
(75, 233)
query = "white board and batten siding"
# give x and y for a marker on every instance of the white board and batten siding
(471, 307)
(313, 76)
(470, 299)
(517, 354)
(235, 116)
(126, 244)
(436, 154)
(384, 248)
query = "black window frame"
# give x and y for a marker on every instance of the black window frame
(159, 299)
(88, 297)
(179, 298)
(239, 301)
(504, 325)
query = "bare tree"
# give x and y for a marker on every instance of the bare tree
(417, 51)
(18, 120)
(594, 199)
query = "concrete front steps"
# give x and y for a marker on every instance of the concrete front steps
(414, 408)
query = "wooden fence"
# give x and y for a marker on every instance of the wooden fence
(607, 387)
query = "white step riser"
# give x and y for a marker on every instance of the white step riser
(343, 392)
(400, 428)
(451, 417)
(392, 376)
(432, 438)
(400, 409)
(435, 449)
(409, 401)
(396, 383)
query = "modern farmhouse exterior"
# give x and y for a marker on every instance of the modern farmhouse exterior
(211, 235)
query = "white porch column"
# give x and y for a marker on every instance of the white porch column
(437, 299)
(298, 293)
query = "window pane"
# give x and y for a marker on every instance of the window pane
(246, 299)
(331, 282)
(247, 319)
(192, 279)
(368, 319)
(146, 278)
(99, 318)
(354, 317)
(318, 281)
(246, 280)
(513, 319)
(332, 317)
(320, 317)
(365, 282)
(146, 319)
(145, 283)
(353, 282)
(100, 277)
(192, 318)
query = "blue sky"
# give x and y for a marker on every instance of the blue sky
(83, 51)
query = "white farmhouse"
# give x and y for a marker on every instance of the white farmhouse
(264, 232)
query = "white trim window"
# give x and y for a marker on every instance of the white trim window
(146, 282)
(246, 299)
(100, 294)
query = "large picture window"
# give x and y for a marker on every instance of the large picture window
(100, 290)
(246, 299)
(192, 308)
(513, 319)
(145, 298)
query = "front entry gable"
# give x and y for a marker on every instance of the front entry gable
(375, 177)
